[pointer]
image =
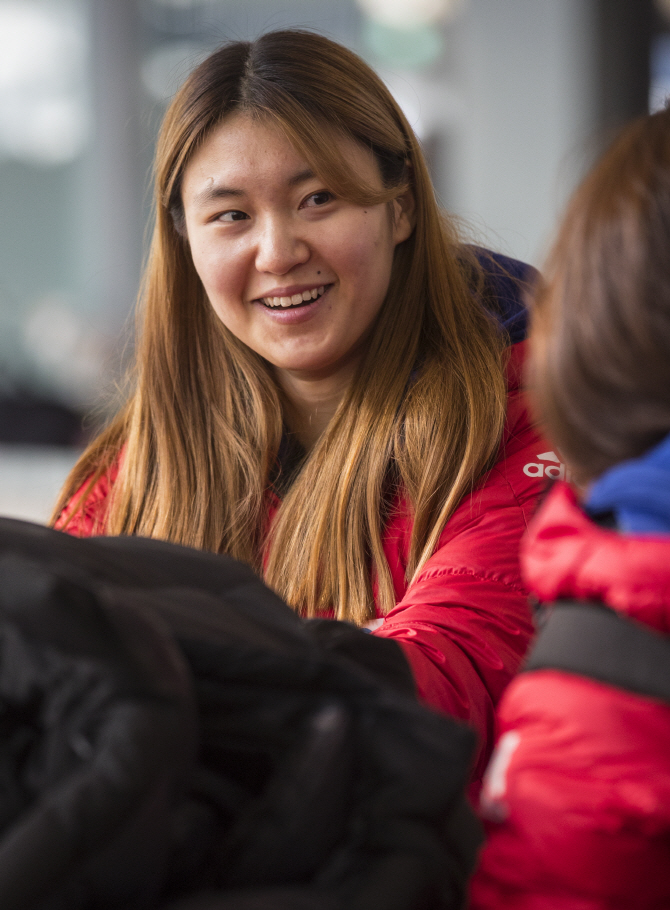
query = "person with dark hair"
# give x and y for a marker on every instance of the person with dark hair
(577, 794)
(327, 377)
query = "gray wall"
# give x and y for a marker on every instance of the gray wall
(528, 120)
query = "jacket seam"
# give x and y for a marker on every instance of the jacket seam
(462, 570)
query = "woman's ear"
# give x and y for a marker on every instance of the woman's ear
(404, 216)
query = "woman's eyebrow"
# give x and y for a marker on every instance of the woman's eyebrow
(307, 174)
(216, 191)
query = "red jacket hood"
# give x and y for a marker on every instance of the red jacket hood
(566, 555)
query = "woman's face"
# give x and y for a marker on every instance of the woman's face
(294, 272)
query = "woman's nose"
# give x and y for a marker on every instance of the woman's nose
(280, 248)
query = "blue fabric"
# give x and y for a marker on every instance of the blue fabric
(637, 492)
(506, 279)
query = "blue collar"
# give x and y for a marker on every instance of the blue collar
(637, 492)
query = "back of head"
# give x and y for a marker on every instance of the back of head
(600, 365)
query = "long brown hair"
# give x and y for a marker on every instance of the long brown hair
(202, 432)
(599, 370)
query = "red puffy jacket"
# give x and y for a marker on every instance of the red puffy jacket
(464, 623)
(578, 791)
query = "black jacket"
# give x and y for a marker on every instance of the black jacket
(172, 734)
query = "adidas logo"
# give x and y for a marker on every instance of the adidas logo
(555, 469)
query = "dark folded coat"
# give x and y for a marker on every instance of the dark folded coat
(172, 734)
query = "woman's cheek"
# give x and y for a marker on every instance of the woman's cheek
(363, 246)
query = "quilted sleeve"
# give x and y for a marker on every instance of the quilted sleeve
(465, 622)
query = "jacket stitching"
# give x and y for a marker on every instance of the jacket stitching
(462, 570)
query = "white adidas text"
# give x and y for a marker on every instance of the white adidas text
(555, 469)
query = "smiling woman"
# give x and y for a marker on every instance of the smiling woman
(295, 272)
(325, 386)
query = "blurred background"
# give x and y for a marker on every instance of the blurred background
(511, 99)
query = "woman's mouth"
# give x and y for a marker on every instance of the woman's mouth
(295, 300)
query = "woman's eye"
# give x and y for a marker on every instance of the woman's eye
(233, 215)
(320, 198)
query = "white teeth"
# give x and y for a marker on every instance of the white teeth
(295, 299)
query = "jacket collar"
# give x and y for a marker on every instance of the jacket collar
(566, 555)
